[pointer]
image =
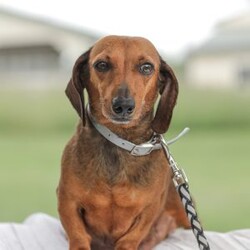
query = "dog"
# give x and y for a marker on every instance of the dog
(109, 198)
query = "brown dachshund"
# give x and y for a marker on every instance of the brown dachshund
(107, 197)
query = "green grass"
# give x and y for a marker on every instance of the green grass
(35, 126)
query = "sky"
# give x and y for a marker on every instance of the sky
(173, 26)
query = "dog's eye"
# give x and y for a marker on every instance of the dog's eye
(146, 68)
(102, 66)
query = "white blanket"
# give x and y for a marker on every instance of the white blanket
(40, 231)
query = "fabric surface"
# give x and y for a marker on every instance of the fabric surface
(43, 232)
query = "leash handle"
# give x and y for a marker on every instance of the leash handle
(181, 184)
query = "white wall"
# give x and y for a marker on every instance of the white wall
(216, 70)
(21, 32)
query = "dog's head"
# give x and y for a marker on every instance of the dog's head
(123, 76)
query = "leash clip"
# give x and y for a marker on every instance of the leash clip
(179, 176)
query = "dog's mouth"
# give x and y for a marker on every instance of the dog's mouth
(121, 120)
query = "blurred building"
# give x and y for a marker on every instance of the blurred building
(224, 59)
(38, 52)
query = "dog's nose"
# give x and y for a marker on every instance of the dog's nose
(123, 106)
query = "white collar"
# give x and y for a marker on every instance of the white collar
(137, 150)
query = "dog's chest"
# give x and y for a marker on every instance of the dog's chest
(117, 187)
(114, 211)
(116, 165)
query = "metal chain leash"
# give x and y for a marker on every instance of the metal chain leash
(181, 185)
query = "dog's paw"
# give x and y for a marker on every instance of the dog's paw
(79, 245)
(160, 230)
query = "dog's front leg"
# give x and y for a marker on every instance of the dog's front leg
(142, 224)
(73, 224)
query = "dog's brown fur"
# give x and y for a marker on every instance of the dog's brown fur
(107, 198)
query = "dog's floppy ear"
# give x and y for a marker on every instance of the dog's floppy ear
(168, 88)
(77, 83)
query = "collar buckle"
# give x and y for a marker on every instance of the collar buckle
(143, 149)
